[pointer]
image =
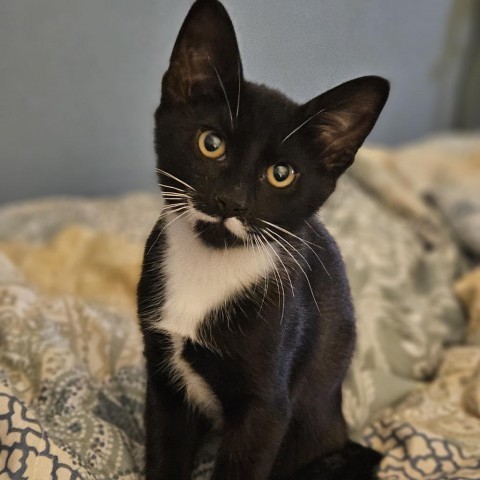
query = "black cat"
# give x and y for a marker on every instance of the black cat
(243, 300)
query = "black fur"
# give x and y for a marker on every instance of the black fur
(275, 359)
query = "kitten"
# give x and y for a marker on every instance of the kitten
(243, 300)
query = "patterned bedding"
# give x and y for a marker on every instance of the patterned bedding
(71, 368)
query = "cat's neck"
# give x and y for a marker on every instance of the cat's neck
(200, 279)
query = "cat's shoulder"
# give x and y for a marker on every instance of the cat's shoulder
(319, 235)
(156, 239)
(325, 249)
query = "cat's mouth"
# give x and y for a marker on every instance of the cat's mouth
(216, 231)
(217, 235)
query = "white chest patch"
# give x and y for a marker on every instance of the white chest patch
(200, 279)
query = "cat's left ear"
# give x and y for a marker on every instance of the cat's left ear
(342, 118)
(205, 59)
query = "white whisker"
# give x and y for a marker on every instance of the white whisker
(171, 207)
(175, 195)
(291, 246)
(281, 262)
(305, 242)
(288, 232)
(173, 188)
(274, 268)
(223, 89)
(239, 89)
(267, 244)
(302, 125)
(254, 242)
(299, 266)
(169, 223)
(159, 170)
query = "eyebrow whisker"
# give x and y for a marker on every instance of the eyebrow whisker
(295, 130)
(223, 89)
(239, 89)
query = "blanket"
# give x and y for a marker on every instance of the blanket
(71, 367)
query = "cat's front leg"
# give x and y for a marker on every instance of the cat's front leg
(251, 441)
(173, 434)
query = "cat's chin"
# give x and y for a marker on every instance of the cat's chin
(216, 235)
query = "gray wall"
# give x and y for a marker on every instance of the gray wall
(79, 80)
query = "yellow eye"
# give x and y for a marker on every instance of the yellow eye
(280, 175)
(211, 145)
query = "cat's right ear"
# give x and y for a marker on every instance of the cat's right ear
(205, 58)
(339, 120)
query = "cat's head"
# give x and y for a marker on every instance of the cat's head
(233, 156)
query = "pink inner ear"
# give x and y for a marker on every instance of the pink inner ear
(350, 112)
(343, 130)
(340, 135)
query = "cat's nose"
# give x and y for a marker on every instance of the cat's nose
(228, 207)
